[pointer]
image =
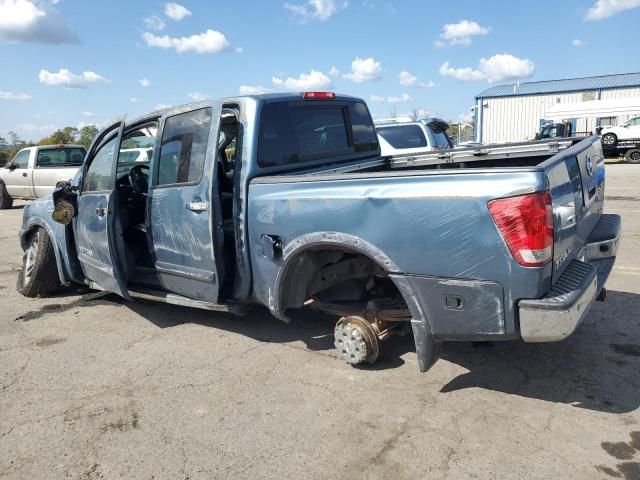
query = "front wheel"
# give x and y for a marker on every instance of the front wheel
(633, 156)
(39, 275)
(5, 199)
(609, 139)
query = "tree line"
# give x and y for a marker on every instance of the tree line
(12, 143)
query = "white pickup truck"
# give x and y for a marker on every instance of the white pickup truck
(34, 171)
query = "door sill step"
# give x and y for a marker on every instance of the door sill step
(175, 299)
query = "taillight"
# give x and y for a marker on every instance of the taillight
(318, 95)
(526, 225)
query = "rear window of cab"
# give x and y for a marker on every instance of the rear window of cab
(60, 157)
(403, 136)
(300, 132)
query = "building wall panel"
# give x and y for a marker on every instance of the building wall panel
(517, 118)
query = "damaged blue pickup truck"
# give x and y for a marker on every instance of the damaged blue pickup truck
(283, 200)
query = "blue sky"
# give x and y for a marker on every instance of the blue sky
(76, 62)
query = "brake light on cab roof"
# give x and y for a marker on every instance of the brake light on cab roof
(319, 95)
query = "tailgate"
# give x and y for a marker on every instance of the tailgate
(576, 183)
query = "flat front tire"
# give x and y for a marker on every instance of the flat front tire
(39, 275)
(5, 199)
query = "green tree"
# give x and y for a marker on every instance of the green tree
(15, 143)
(61, 136)
(15, 140)
(86, 135)
(3, 152)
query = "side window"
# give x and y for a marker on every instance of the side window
(21, 160)
(137, 147)
(50, 157)
(99, 176)
(184, 147)
(364, 135)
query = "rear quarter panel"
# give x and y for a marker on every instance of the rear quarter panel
(430, 223)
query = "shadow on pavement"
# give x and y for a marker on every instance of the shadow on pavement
(313, 328)
(595, 368)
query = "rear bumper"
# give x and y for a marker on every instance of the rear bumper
(555, 316)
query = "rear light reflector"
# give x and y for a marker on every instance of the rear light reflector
(526, 225)
(318, 95)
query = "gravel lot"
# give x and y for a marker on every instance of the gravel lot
(91, 387)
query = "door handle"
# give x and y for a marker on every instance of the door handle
(24, 174)
(198, 206)
(101, 211)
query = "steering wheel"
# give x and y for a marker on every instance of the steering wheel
(139, 180)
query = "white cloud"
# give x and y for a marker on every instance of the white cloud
(498, 68)
(576, 42)
(607, 8)
(30, 21)
(31, 130)
(460, 33)
(315, 9)
(67, 79)
(409, 80)
(390, 99)
(314, 80)
(144, 82)
(334, 72)
(503, 67)
(210, 41)
(364, 70)
(14, 96)
(134, 99)
(252, 90)
(465, 117)
(197, 97)
(162, 106)
(466, 74)
(154, 23)
(402, 98)
(175, 11)
(88, 114)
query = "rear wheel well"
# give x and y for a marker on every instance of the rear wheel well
(339, 280)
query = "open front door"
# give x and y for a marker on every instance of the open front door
(95, 222)
(182, 208)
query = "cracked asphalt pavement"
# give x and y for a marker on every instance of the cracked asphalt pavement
(93, 387)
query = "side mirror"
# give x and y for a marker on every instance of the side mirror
(538, 136)
(12, 167)
(64, 203)
(63, 212)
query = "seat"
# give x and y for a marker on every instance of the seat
(44, 160)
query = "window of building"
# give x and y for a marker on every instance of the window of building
(608, 121)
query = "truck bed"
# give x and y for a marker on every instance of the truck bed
(507, 154)
(434, 222)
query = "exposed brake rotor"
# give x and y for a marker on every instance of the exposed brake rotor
(356, 341)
